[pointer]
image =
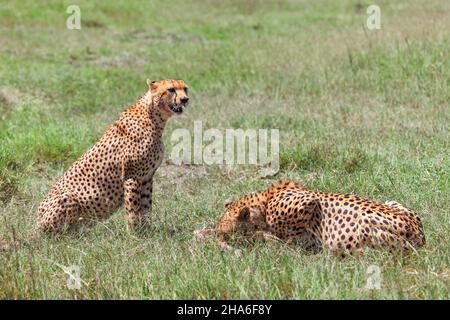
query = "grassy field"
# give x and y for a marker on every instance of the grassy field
(359, 111)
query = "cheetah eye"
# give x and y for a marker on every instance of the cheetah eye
(171, 90)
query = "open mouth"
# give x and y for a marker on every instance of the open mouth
(177, 109)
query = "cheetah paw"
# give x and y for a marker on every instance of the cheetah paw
(201, 234)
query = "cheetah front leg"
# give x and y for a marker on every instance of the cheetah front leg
(135, 213)
(146, 196)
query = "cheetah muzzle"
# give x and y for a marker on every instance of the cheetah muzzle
(178, 108)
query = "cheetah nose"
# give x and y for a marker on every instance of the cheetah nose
(184, 99)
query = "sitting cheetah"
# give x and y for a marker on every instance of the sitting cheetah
(343, 223)
(119, 168)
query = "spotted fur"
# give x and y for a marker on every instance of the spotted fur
(339, 222)
(119, 168)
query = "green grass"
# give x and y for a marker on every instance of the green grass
(358, 111)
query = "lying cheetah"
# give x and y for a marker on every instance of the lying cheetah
(119, 168)
(343, 223)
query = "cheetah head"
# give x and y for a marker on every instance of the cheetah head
(239, 222)
(170, 96)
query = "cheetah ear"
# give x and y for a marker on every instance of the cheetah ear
(227, 203)
(151, 84)
(244, 214)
